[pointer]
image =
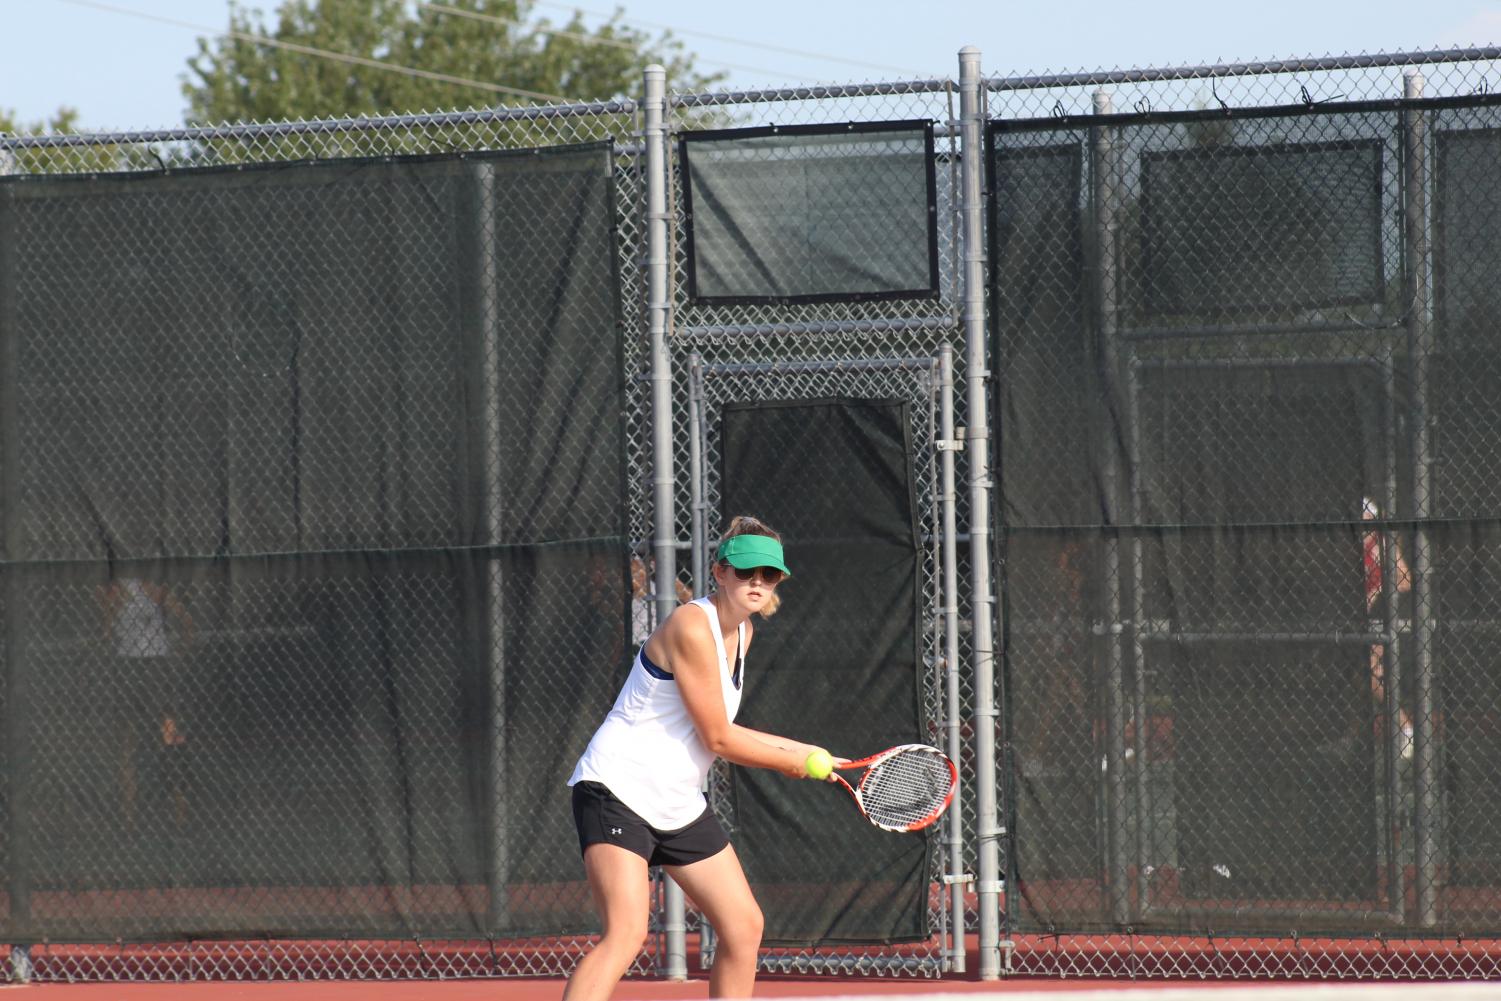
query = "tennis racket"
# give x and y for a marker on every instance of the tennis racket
(904, 788)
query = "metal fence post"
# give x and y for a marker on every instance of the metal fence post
(699, 549)
(495, 530)
(19, 885)
(947, 499)
(1419, 349)
(698, 541)
(977, 444)
(1103, 174)
(664, 549)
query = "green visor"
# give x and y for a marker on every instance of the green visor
(749, 551)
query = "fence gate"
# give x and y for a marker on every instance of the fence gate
(840, 457)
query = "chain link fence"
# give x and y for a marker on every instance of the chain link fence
(1191, 302)
(1245, 737)
(302, 500)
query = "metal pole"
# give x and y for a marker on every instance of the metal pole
(947, 499)
(17, 777)
(1104, 174)
(839, 365)
(1147, 848)
(658, 307)
(699, 548)
(882, 325)
(1419, 280)
(821, 92)
(1391, 652)
(699, 541)
(501, 810)
(977, 443)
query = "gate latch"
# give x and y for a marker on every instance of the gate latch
(951, 444)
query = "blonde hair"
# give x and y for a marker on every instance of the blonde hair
(744, 524)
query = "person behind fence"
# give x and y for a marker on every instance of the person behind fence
(138, 616)
(638, 788)
(643, 598)
(604, 598)
(1373, 547)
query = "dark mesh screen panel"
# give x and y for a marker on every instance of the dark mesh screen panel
(1043, 341)
(1227, 445)
(315, 545)
(1466, 221)
(1466, 209)
(1467, 552)
(204, 350)
(1466, 548)
(1467, 412)
(836, 666)
(309, 725)
(1262, 228)
(561, 393)
(1268, 788)
(1055, 720)
(1466, 645)
(811, 214)
(1199, 410)
(1243, 441)
(1274, 777)
(563, 661)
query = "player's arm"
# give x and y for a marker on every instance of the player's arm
(1404, 575)
(782, 743)
(694, 662)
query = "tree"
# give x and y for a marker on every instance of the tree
(65, 119)
(53, 160)
(239, 78)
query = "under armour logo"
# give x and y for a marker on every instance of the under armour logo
(614, 830)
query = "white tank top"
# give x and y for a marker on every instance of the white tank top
(140, 626)
(647, 751)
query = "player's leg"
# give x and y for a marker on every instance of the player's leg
(622, 895)
(717, 885)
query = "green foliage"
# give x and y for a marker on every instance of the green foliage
(496, 42)
(65, 119)
(42, 160)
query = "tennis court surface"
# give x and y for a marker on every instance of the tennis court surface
(538, 989)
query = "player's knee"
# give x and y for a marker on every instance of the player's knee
(755, 926)
(744, 935)
(627, 937)
(640, 937)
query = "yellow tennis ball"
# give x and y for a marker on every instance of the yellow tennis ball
(819, 765)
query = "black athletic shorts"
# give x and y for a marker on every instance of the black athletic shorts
(603, 819)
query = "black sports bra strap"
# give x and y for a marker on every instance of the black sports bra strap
(739, 658)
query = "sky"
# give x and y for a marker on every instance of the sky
(120, 63)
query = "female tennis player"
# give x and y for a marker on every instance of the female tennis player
(637, 790)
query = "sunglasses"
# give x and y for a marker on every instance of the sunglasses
(770, 575)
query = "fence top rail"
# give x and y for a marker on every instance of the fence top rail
(1264, 68)
(811, 93)
(274, 130)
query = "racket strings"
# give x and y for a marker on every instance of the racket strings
(906, 788)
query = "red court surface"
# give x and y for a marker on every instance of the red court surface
(1332, 981)
(550, 989)
(1016, 989)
